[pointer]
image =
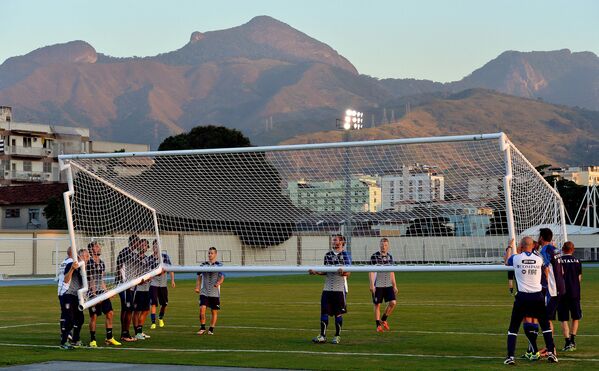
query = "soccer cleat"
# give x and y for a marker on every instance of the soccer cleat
(336, 340)
(161, 323)
(66, 346)
(210, 332)
(112, 341)
(201, 332)
(509, 361)
(153, 326)
(140, 336)
(534, 356)
(551, 358)
(379, 329)
(319, 339)
(526, 355)
(385, 325)
(569, 348)
(77, 344)
(93, 344)
(129, 339)
(145, 336)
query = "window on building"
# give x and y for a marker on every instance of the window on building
(34, 214)
(27, 142)
(48, 143)
(12, 213)
(47, 167)
(26, 165)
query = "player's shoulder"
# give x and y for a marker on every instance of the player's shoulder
(375, 255)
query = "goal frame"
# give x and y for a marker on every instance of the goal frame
(503, 143)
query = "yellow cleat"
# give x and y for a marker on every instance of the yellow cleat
(153, 327)
(112, 341)
(160, 323)
(93, 344)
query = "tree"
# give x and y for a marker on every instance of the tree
(55, 213)
(206, 137)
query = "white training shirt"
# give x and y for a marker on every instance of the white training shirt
(63, 287)
(527, 270)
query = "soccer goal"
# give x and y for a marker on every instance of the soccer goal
(442, 203)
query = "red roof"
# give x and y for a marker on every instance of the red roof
(31, 193)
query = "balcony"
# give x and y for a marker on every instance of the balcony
(27, 176)
(29, 151)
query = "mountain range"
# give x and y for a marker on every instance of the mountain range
(276, 84)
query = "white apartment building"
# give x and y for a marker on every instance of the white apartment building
(29, 152)
(484, 188)
(582, 175)
(418, 183)
(329, 196)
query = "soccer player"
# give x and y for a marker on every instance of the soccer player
(67, 267)
(333, 298)
(382, 286)
(528, 269)
(62, 285)
(126, 264)
(570, 302)
(208, 286)
(72, 302)
(141, 301)
(96, 269)
(553, 281)
(159, 287)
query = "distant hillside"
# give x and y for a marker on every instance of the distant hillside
(545, 133)
(274, 82)
(558, 76)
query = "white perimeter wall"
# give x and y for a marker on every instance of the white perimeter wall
(30, 253)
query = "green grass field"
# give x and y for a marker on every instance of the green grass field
(443, 321)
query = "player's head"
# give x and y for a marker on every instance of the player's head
(143, 246)
(568, 248)
(337, 242)
(545, 236)
(94, 248)
(527, 244)
(133, 241)
(83, 254)
(69, 252)
(212, 253)
(384, 245)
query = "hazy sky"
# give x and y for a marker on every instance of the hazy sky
(424, 39)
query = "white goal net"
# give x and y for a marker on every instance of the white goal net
(441, 202)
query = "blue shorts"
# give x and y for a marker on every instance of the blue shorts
(142, 301)
(126, 300)
(569, 307)
(551, 303)
(159, 295)
(212, 302)
(103, 307)
(383, 293)
(333, 303)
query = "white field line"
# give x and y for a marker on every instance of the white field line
(271, 351)
(31, 324)
(311, 330)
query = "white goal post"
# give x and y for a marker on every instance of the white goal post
(442, 203)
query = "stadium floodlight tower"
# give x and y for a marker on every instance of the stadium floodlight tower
(274, 209)
(353, 120)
